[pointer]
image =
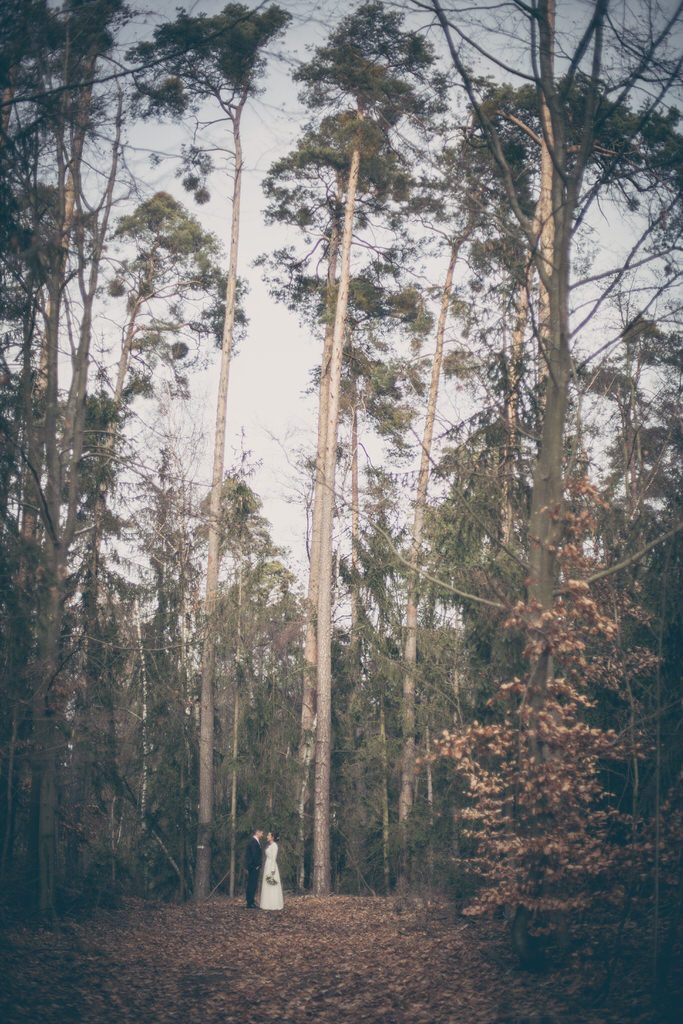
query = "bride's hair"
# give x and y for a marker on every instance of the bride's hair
(275, 835)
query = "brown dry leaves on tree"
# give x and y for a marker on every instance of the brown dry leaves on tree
(550, 835)
(341, 959)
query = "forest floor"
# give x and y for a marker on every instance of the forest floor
(341, 959)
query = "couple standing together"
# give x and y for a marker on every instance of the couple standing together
(263, 870)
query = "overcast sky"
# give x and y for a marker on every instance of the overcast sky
(269, 410)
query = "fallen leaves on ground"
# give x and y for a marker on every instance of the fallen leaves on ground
(340, 959)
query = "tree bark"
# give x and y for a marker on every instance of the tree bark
(7, 840)
(59, 535)
(407, 792)
(235, 736)
(545, 525)
(512, 410)
(430, 803)
(144, 717)
(547, 499)
(185, 755)
(546, 230)
(385, 799)
(308, 704)
(46, 742)
(355, 537)
(323, 739)
(206, 727)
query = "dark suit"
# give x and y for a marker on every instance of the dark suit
(253, 869)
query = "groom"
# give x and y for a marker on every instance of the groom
(253, 867)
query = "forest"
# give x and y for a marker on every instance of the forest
(450, 678)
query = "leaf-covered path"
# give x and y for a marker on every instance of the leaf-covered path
(342, 959)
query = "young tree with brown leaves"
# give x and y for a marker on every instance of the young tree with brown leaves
(578, 171)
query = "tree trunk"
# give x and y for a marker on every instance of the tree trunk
(233, 792)
(430, 803)
(323, 739)
(59, 534)
(307, 742)
(512, 411)
(546, 235)
(561, 180)
(407, 792)
(7, 841)
(355, 541)
(44, 793)
(235, 735)
(185, 754)
(355, 650)
(206, 729)
(545, 525)
(7, 103)
(547, 499)
(385, 799)
(144, 716)
(46, 743)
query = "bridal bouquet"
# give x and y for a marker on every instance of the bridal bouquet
(271, 879)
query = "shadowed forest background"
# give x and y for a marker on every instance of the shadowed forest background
(467, 694)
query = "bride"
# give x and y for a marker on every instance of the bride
(271, 886)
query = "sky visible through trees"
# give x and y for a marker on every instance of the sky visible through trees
(341, 398)
(280, 354)
(277, 342)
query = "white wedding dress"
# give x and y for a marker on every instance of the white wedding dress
(271, 895)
